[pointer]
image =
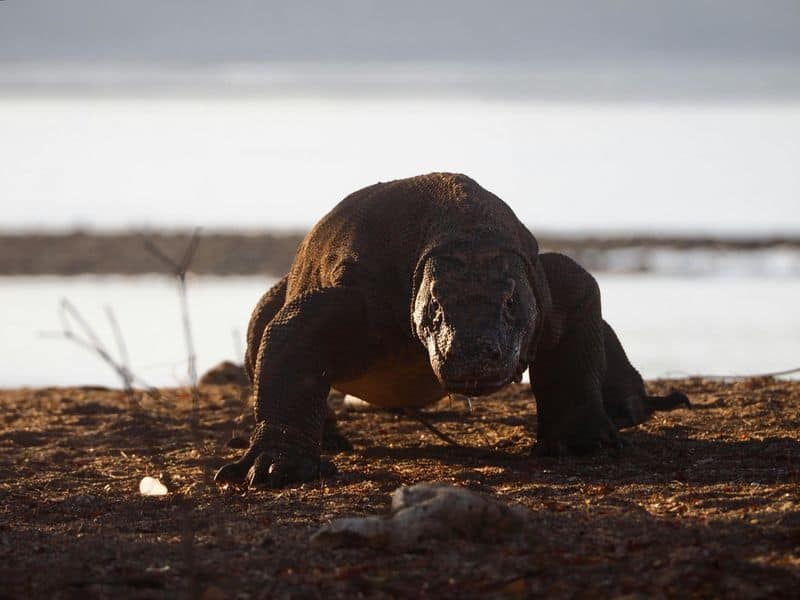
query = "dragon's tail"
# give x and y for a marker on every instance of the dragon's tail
(671, 401)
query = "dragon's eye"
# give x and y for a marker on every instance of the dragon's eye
(508, 308)
(434, 311)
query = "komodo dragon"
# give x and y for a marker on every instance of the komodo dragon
(409, 290)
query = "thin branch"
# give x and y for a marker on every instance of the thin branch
(188, 255)
(748, 376)
(187, 332)
(417, 416)
(69, 313)
(70, 335)
(93, 344)
(179, 268)
(69, 310)
(121, 347)
(151, 247)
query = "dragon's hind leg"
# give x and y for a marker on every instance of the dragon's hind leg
(585, 387)
(624, 396)
(333, 440)
(567, 376)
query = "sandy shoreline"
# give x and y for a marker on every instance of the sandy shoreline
(705, 503)
(254, 253)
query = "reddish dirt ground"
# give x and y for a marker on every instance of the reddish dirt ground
(705, 503)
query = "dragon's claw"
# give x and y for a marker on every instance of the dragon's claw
(233, 473)
(270, 472)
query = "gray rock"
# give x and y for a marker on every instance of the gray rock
(428, 511)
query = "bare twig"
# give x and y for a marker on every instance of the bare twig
(179, 269)
(89, 340)
(777, 373)
(748, 376)
(69, 310)
(121, 347)
(187, 332)
(188, 255)
(107, 358)
(151, 247)
(417, 416)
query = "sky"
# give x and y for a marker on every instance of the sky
(201, 31)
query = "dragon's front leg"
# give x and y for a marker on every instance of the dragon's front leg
(299, 355)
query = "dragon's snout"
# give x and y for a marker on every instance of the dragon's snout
(474, 367)
(473, 312)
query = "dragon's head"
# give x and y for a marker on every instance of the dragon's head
(474, 311)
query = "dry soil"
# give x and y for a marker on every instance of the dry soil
(706, 502)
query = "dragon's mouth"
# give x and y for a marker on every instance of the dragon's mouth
(475, 387)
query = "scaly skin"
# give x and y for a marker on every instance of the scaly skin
(411, 289)
(266, 309)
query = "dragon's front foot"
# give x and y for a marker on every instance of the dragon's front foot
(578, 447)
(579, 436)
(273, 465)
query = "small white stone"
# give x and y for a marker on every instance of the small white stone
(150, 486)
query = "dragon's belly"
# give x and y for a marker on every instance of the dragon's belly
(402, 380)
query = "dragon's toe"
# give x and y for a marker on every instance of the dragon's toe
(269, 472)
(234, 473)
(336, 443)
(587, 438)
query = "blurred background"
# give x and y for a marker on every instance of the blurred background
(656, 142)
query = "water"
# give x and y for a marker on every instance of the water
(669, 325)
(265, 161)
(148, 312)
(281, 160)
